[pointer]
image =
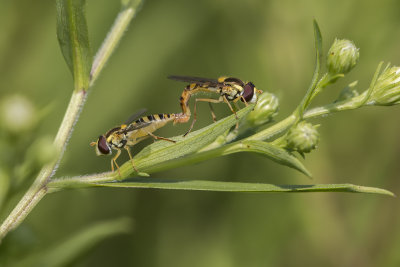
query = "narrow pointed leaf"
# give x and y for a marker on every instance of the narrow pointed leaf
(318, 42)
(241, 187)
(276, 154)
(317, 70)
(163, 151)
(73, 38)
(268, 150)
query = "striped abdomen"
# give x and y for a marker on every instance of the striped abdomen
(148, 124)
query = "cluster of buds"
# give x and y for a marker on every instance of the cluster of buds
(343, 56)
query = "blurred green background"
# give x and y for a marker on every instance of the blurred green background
(268, 42)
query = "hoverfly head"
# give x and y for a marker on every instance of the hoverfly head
(102, 147)
(249, 92)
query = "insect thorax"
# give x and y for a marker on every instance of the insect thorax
(231, 93)
(117, 140)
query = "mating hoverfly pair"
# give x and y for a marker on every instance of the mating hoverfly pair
(137, 129)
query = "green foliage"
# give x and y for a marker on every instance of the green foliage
(241, 187)
(270, 139)
(73, 38)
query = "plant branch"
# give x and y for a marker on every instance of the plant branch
(38, 189)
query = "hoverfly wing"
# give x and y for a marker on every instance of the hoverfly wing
(198, 80)
(136, 126)
(135, 116)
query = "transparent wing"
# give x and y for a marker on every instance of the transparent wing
(198, 80)
(135, 116)
(136, 126)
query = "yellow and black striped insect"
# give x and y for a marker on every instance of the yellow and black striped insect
(131, 133)
(229, 90)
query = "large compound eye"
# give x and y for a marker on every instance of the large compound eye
(248, 92)
(103, 146)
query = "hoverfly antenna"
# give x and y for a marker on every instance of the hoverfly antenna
(248, 91)
(102, 145)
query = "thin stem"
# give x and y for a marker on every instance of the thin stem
(38, 189)
(80, 181)
(355, 102)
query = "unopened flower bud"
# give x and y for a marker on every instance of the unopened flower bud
(342, 56)
(265, 109)
(303, 137)
(387, 88)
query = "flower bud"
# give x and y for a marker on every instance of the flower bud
(265, 109)
(17, 113)
(303, 137)
(387, 88)
(342, 57)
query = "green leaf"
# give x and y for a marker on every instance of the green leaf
(317, 71)
(276, 154)
(163, 151)
(241, 187)
(268, 150)
(318, 42)
(73, 38)
(67, 251)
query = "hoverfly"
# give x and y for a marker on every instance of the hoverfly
(229, 90)
(130, 133)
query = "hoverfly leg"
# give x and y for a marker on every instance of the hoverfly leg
(244, 101)
(230, 106)
(233, 111)
(130, 156)
(191, 126)
(209, 100)
(160, 138)
(194, 119)
(114, 160)
(212, 112)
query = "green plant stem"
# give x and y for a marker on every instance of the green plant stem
(317, 71)
(38, 189)
(79, 181)
(354, 103)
